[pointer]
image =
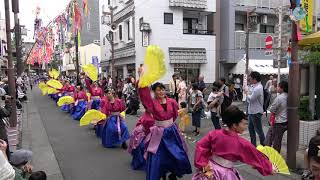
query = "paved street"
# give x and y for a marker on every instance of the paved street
(79, 154)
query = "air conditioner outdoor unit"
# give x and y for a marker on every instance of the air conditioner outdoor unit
(96, 41)
(264, 19)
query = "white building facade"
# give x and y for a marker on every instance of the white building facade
(184, 29)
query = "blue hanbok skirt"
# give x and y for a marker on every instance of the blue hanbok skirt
(79, 110)
(110, 135)
(138, 162)
(99, 128)
(65, 108)
(55, 97)
(170, 156)
(95, 104)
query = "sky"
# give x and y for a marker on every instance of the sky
(49, 10)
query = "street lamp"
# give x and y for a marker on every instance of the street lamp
(252, 20)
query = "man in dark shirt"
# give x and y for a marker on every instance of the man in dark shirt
(201, 84)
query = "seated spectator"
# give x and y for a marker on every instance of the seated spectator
(314, 157)
(307, 174)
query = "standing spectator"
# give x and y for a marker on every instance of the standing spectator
(103, 82)
(5, 112)
(109, 81)
(237, 87)
(201, 84)
(127, 89)
(119, 88)
(279, 108)
(227, 101)
(273, 90)
(214, 102)
(255, 108)
(132, 79)
(196, 103)
(173, 87)
(182, 90)
(269, 83)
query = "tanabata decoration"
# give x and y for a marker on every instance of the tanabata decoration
(91, 71)
(65, 100)
(54, 84)
(92, 115)
(51, 90)
(275, 158)
(154, 64)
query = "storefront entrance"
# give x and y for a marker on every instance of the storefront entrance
(190, 72)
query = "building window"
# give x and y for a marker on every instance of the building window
(239, 27)
(120, 32)
(109, 2)
(128, 30)
(168, 18)
(104, 41)
(266, 29)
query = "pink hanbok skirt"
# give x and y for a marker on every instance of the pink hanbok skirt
(219, 173)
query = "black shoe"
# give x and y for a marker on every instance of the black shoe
(194, 131)
(197, 134)
(172, 177)
(164, 177)
(124, 145)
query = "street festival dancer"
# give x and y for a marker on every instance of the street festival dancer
(216, 153)
(136, 144)
(96, 94)
(115, 131)
(166, 151)
(68, 90)
(81, 100)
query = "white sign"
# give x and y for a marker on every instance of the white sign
(268, 53)
(145, 38)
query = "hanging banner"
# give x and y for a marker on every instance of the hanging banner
(307, 22)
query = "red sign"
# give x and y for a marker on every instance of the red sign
(269, 40)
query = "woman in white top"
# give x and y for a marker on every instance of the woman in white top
(6, 170)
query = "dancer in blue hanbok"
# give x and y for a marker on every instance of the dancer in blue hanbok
(81, 100)
(115, 131)
(96, 94)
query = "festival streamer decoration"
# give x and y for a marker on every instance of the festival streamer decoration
(65, 100)
(91, 71)
(307, 21)
(275, 158)
(54, 84)
(154, 63)
(92, 115)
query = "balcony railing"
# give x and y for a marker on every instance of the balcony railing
(256, 40)
(262, 3)
(197, 32)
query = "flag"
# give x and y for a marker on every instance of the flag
(307, 22)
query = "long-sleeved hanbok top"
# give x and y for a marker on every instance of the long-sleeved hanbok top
(81, 95)
(109, 108)
(230, 146)
(147, 121)
(160, 112)
(94, 91)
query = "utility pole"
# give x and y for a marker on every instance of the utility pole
(113, 69)
(77, 56)
(11, 79)
(17, 34)
(280, 42)
(293, 98)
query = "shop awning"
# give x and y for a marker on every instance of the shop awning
(310, 39)
(187, 55)
(264, 67)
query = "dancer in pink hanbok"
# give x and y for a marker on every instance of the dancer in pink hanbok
(216, 152)
(166, 151)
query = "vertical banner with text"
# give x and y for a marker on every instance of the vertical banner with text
(307, 23)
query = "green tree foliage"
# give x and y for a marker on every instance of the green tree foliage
(312, 54)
